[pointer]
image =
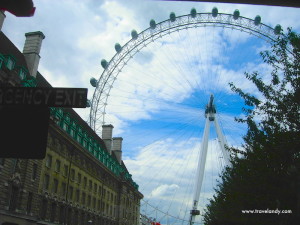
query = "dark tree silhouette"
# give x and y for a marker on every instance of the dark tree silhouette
(265, 171)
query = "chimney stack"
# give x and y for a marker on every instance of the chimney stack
(2, 18)
(117, 148)
(32, 49)
(107, 136)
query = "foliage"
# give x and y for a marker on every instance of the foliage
(265, 172)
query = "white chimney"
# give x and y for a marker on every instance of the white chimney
(32, 49)
(117, 148)
(107, 136)
(2, 18)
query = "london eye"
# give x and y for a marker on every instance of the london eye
(159, 88)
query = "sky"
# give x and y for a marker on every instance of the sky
(157, 101)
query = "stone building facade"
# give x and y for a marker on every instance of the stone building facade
(82, 180)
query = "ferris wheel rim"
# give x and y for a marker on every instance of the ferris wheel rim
(105, 87)
(188, 21)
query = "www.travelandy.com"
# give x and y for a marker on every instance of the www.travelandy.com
(266, 211)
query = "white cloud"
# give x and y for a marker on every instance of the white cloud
(164, 190)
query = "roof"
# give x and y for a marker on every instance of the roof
(8, 48)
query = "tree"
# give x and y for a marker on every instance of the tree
(265, 171)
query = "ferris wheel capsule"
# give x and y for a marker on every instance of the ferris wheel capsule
(193, 12)
(93, 82)
(118, 47)
(236, 14)
(104, 63)
(277, 29)
(215, 12)
(257, 20)
(172, 16)
(152, 24)
(134, 34)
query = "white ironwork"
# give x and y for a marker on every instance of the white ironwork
(121, 58)
(210, 114)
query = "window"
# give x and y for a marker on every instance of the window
(94, 203)
(70, 193)
(57, 166)
(10, 63)
(22, 74)
(34, 171)
(89, 201)
(95, 188)
(63, 189)
(66, 168)
(48, 161)
(84, 182)
(72, 175)
(13, 198)
(77, 196)
(43, 211)
(83, 198)
(46, 182)
(99, 205)
(55, 185)
(100, 190)
(79, 178)
(53, 212)
(29, 202)
(90, 185)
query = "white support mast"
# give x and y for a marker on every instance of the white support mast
(210, 115)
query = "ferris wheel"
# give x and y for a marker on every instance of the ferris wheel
(156, 87)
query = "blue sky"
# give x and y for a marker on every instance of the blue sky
(157, 102)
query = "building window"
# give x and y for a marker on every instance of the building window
(90, 185)
(84, 182)
(53, 212)
(70, 193)
(94, 203)
(22, 74)
(100, 190)
(55, 186)
(57, 166)
(10, 63)
(13, 198)
(34, 171)
(72, 175)
(77, 196)
(79, 178)
(46, 182)
(48, 161)
(66, 168)
(99, 205)
(95, 188)
(44, 207)
(63, 189)
(83, 198)
(89, 201)
(61, 214)
(29, 202)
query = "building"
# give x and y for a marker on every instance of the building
(82, 179)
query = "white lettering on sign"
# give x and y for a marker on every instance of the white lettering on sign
(61, 97)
